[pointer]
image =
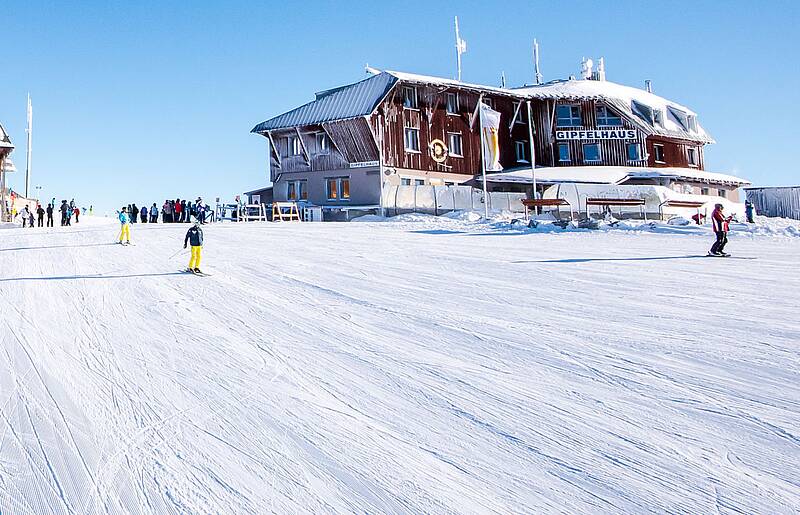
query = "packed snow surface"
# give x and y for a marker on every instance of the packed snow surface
(421, 365)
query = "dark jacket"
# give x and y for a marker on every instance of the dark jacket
(194, 236)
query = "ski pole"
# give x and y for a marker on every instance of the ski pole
(179, 251)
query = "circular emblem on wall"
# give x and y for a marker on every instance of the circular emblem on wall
(438, 150)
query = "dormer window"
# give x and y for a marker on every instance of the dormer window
(691, 121)
(410, 97)
(607, 117)
(568, 116)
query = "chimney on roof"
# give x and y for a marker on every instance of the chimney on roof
(648, 85)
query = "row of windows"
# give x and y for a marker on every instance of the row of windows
(570, 116)
(295, 146)
(336, 188)
(591, 153)
(454, 142)
(452, 103)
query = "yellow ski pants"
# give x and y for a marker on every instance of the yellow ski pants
(194, 261)
(125, 233)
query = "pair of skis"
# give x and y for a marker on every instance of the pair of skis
(196, 272)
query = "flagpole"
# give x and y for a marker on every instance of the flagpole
(28, 153)
(483, 164)
(533, 152)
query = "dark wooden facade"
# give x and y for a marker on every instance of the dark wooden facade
(434, 122)
(612, 152)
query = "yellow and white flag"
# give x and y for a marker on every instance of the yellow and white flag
(490, 127)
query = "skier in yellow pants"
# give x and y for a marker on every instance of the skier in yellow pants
(194, 236)
(125, 230)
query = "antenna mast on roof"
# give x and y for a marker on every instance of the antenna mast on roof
(461, 47)
(503, 79)
(538, 75)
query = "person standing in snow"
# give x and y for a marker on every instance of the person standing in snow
(24, 215)
(143, 214)
(64, 207)
(194, 236)
(748, 211)
(719, 223)
(154, 214)
(40, 215)
(77, 212)
(50, 215)
(125, 229)
(30, 219)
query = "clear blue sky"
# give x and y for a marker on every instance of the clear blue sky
(140, 101)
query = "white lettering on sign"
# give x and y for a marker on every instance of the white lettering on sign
(363, 164)
(597, 134)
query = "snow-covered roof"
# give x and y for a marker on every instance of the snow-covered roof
(608, 175)
(637, 104)
(439, 81)
(350, 101)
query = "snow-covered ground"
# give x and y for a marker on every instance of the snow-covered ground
(424, 365)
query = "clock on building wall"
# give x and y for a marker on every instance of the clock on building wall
(438, 150)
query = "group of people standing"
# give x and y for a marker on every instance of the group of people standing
(68, 212)
(172, 211)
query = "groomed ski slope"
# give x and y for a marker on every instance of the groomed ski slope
(427, 367)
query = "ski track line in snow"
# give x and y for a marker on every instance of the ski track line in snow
(411, 372)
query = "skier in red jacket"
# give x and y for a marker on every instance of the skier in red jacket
(720, 225)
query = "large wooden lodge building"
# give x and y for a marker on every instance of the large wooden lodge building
(418, 130)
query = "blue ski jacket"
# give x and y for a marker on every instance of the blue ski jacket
(123, 218)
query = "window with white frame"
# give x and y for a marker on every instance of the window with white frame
(294, 146)
(410, 97)
(488, 101)
(412, 139)
(518, 110)
(297, 190)
(419, 182)
(568, 116)
(563, 152)
(521, 150)
(634, 151)
(338, 188)
(658, 153)
(455, 144)
(704, 191)
(606, 116)
(591, 152)
(691, 121)
(405, 181)
(722, 193)
(452, 103)
(322, 143)
(692, 156)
